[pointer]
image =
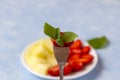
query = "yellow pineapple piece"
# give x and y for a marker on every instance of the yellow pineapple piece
(40, 68)
(39, 56)
(32, 60)
(47, 44)
(51, 60)
(43, 48)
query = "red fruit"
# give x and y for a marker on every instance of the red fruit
(86, 59)
(77, 66)
(86, 50)
(76, 44)
(76, 51)
(90, 57)
(74, 57)
(61, 33)
(73, 61)
(67, 44)
(67, 69)
(54, 71)
(83, 60)
(54, 42)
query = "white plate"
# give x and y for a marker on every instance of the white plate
(87, 69)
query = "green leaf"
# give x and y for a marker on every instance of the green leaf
(57, 33)
(54, 33)
(59, 42)
(68, 36)
(50, 31)
(98, 42)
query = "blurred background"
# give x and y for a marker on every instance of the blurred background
(22, 21)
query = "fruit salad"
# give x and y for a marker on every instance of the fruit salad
(79, 55)
(79, 58)
(40, 58)
(40, 55)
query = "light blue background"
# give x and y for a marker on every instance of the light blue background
(21, 22)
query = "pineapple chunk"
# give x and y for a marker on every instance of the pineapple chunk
(51, 60)
(41, 68)
(43, 48)
(47, 44)
(39, 56)
(32, 60)
(39, 51)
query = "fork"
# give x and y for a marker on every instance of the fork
(61, 55)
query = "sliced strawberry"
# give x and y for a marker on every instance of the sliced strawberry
(54, 42)
(83, 60)
(67, 69)
(76, 44)
(73, 57)
(86, 50)
(77, 66)
(90, 57)
(86, 59)
(73, 61)
(67, 44)
(54, 71)
(76, 51)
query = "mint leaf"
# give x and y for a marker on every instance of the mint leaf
(98, 42)
(57, 33)
(50, 31)
(59, 42)
(54, 33)
(68, 36)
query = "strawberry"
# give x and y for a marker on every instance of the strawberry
(86, 59)
(54, 42)
(77, 66)
(76, 51)
(54, 71)
(73, 58)
(66, 44)
(76, 44)
(86, 50)
(67, 69)
(73, 61)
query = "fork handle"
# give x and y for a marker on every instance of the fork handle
(61, 66)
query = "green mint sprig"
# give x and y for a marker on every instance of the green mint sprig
(54, 33)
(98, 42)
